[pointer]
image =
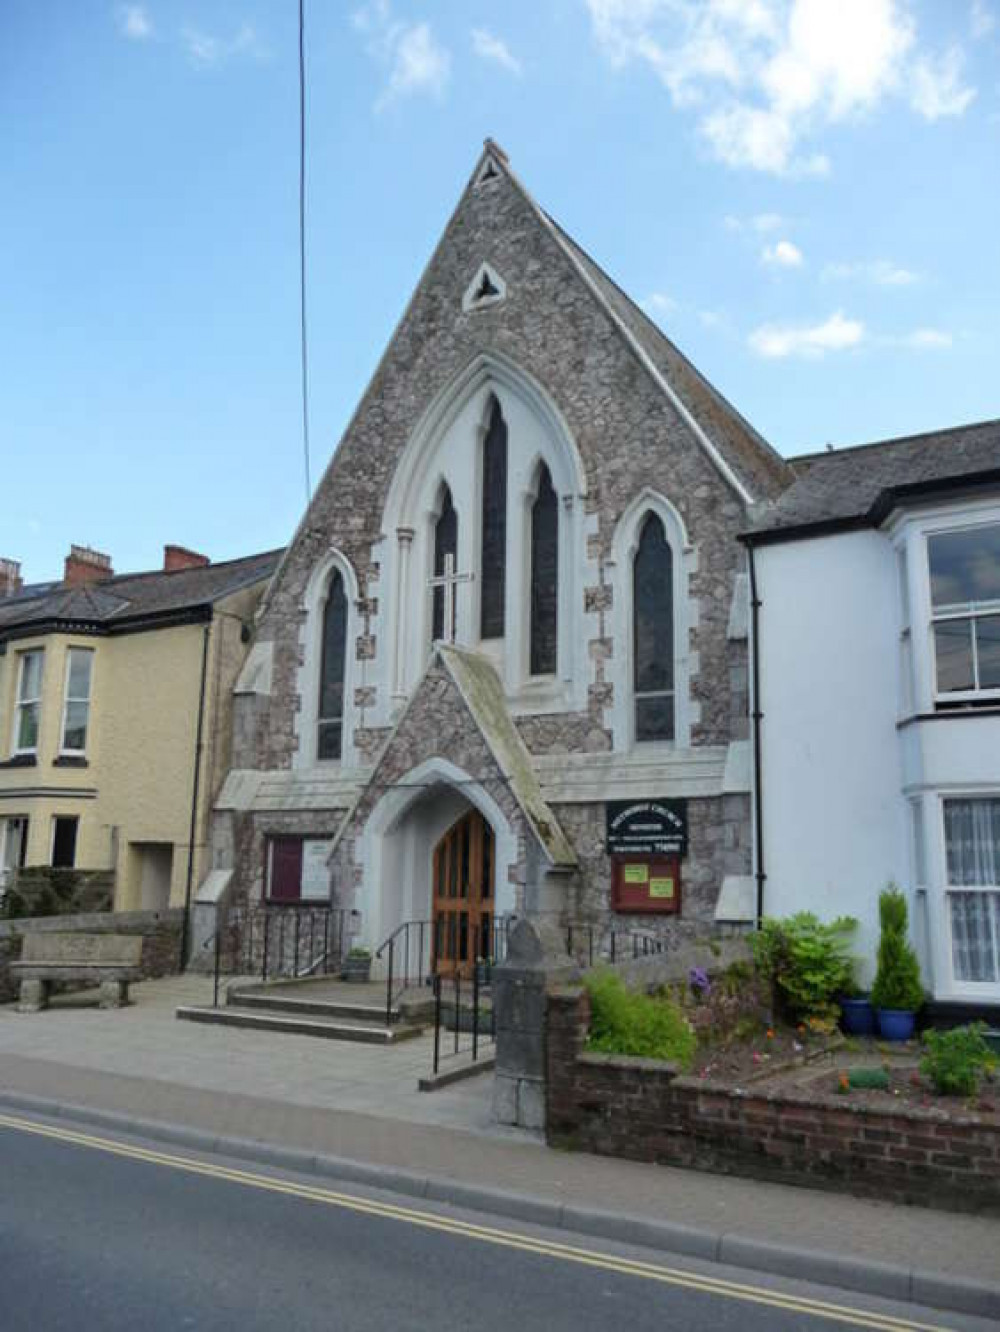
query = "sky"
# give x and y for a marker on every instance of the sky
(805, 194)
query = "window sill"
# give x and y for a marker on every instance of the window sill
(70, 761)
(951, 714)
(20, 761)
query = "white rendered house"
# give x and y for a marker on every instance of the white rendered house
(877, 735)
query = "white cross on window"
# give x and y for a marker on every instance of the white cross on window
(449, 581)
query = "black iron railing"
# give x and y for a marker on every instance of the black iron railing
(273, 940)
(591, 945)
(419, 950)
(464, 1021)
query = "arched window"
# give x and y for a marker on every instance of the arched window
(653, 621)
(330, 740)
(445, 544)
(494, 530)
(544, 576)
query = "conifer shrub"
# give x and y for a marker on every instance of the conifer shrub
(808, 963)
(628, 1022)
(897, 978)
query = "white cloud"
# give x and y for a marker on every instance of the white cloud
(134, 22)
(777, 341)
(982, 19)
(489, 47)
(764, 76)
(936, 87)
(761, 223)
(928, 339)
(881, 272)
(784, 254)
(659, 303)
(415, 60)
(207, 50)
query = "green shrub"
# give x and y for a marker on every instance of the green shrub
(957, 1059)
(627, 1022)
(360, 954)
(807, 962)
(897, 978)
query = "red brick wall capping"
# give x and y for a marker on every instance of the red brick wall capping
(642, 1110)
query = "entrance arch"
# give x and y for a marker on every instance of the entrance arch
(396, 845)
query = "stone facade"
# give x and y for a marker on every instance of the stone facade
(631, 438)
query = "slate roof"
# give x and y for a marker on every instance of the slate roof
(758, 465)
(857, 487)
(125, 599)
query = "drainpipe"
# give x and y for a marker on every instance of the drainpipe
(756, 716)
(186, 924)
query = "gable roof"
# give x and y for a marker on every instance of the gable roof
(758, 466)
(480, 687)
(753, 469)
(132, 600)
(841, 489)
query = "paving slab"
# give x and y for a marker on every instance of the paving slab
(361, 1104)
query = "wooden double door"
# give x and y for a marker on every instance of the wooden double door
(463, 894)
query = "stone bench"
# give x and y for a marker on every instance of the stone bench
(110, 960)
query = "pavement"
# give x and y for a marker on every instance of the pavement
(354, 1112)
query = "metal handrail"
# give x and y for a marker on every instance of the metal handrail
(425, 929)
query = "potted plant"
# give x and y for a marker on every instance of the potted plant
(357, 965)
(857, 1016)
(897, 994)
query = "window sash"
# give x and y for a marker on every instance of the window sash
(27, 712)
(76, 705)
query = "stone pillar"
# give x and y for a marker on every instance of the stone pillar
(34, 996)
(113, 994)
(404, 538)
(536, 960)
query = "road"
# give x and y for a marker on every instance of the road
(99, 1234)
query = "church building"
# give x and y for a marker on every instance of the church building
(502, 667)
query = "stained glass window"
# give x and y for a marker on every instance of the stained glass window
(445, 544)
(331, 687)
(653, 612)
(544, 576)
(494, 532)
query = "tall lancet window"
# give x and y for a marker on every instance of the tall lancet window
(544, 576)
(494, 552)
(332, 671)
(653, 648)
(445, 544)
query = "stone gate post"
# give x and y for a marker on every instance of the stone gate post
(536, 959)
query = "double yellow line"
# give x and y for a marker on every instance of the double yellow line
(485, 1234)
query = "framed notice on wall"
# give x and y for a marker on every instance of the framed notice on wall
(646, 884)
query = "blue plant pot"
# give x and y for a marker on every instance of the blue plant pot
(896, 1024)
(857, 1017)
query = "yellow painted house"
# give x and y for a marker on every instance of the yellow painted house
(115, 697)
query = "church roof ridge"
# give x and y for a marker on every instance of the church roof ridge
(595, 279)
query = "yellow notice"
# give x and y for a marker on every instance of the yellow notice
(661, 887)
(636, 873)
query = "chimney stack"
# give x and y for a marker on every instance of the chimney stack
(84, 565)
(179, 557)
(10, 578)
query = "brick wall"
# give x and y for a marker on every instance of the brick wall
(644, 1110)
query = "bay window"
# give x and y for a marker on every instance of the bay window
(76, 707)
(965, 612)
(972, 851)
(29, 702)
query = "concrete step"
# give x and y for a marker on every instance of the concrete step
(331, 1008)
(331, 1029)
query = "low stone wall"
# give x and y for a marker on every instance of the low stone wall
(644, 1110)
(41, 890)
(160, 930)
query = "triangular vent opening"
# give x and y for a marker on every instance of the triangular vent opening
(486, 288)
(487, 172)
